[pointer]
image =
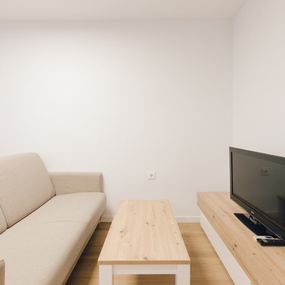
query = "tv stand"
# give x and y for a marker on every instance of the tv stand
(245, 259)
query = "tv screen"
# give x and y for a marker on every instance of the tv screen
(258, 185)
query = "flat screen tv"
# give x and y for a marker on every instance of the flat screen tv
(258, 186)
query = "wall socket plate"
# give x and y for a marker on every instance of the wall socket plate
(151, 175)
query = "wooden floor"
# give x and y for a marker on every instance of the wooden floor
(206, 267)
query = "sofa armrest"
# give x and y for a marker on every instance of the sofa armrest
(2, 272)
(73, 182)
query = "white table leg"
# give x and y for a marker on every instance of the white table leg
(105, 275)
(183, 274)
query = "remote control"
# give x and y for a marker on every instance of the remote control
(271, 242)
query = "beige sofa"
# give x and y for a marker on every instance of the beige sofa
(46, 219)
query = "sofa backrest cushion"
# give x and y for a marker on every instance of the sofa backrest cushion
(25, 185)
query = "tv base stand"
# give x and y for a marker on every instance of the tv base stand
(256, 228)
(245, 259)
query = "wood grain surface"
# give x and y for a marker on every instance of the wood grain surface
(263, 265)
(144, 232)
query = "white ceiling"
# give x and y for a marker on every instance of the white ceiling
(49, 10)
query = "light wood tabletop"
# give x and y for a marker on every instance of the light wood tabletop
(144, 231)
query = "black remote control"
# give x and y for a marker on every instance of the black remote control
(271, 242)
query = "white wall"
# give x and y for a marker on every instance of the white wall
(122, 98)
(259, 77)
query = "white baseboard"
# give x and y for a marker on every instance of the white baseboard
(106, 219)
(187, 219)
(179, 219)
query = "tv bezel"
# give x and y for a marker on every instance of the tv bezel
(256, 213)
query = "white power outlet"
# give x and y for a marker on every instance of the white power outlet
(151, 175)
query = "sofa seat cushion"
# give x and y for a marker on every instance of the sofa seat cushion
(41, 253)
(25, 185)
(2, 272)
(3, 224)
(85, 207)
(52, 236)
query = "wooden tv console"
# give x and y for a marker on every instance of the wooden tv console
(245, 259)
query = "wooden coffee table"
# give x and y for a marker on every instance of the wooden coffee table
(144, 238)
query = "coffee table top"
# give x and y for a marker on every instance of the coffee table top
(144, 232)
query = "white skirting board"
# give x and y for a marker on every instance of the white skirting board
(179, 219)
(232, 266)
